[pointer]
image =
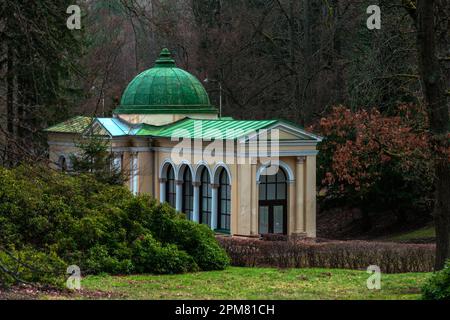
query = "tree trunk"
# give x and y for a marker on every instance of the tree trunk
(296, 98)
(10, 114)
(438, 112)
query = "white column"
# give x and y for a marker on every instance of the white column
(310, 196)
(117, 162)
(162, 190)
(196, 215)
(179, 195)
(134, 172)
(300, 196)
(214, 205)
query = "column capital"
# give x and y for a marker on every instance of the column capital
(196, 184)
(215, 186)
(162, 180)
(301, 160)
(179, 182)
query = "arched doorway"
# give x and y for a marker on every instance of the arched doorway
(273, 203)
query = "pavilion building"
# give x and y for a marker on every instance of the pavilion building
(239, 177)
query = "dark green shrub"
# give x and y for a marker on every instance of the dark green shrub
(150, 255)
(30, 265)
(197, 240)
(99, 227)
(99, 260)
(438, 286)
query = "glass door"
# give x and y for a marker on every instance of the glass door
(264, 219)
(272, 218)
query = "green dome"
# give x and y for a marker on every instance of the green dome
(165, 89)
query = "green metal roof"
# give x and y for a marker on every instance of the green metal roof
(165, 89)
(74, 125)
(225, 128)
(206, 129)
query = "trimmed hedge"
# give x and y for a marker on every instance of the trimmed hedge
(390, 257)
(99, 227)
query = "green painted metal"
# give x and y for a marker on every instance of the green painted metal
(74, 125)
(206, 129)
(165, 89)
(225, 129)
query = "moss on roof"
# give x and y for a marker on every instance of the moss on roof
(74, 125)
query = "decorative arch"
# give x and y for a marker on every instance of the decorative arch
(186, 176)
(198, 171)
(282, 164)
(273, 203)
(223, 199)
(164, 166)
(181, 168)
(217, 171)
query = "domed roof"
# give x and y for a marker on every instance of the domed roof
(165, 89)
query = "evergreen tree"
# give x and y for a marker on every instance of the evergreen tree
(39, 55)
(95, 158)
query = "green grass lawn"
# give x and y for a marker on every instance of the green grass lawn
(259, 283)
(423, 233)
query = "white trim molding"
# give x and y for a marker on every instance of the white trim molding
(200, 164)
(182, 167)
(163, 169)
(282, 164)
(218, 166)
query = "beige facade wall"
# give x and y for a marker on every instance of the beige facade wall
(151, 155)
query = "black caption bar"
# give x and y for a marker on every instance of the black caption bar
(181, 310)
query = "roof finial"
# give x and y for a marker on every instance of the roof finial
(165, 59)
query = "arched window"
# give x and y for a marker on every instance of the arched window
(273, 203)
(224, 208)
(170, 187)
(62, 162)
(205, 198)
(188, 194)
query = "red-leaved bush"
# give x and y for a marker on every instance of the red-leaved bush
(376, 162)
(390, 257)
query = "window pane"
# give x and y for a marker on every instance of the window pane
(281, 177)
(263, 178)
(223, 206)
(281, 191)
(262, 191)
(271, 191)
(223, 222)
(224, 192)
(263, 219)
(278, 220)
